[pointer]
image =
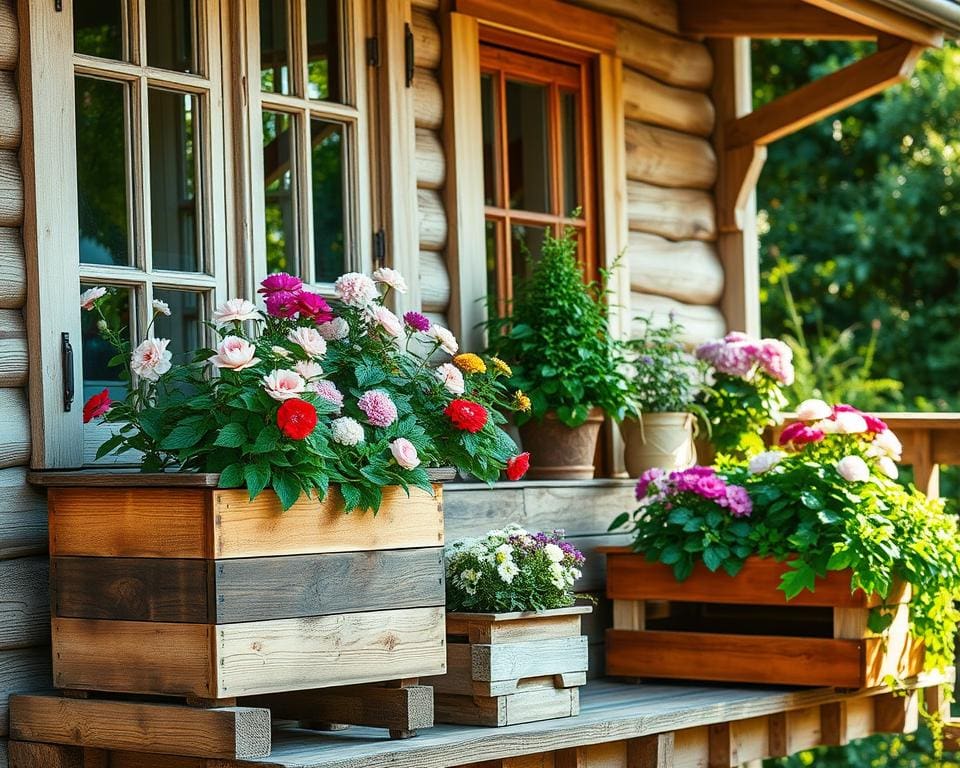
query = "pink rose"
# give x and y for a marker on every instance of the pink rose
(853, 469)
(451, 377)
(282, 384)
(356, 290)
(235, 311)
(392, 278)
(387, 320)
(235, 354)
(404, 453)
(308, 369)
(813, 410)
(309, 340)
(151, 359)
(88, 299)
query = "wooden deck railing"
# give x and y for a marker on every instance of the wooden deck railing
(930, 440)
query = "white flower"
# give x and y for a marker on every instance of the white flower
(853, 469)
(89, 297)
(557, 576)
(284, 385)
(889, 467)
(308, 369)
(387, 320)
(507, 570)
(553, 552)
(469, 576)
(151, 359)
(405, 453)
(235, 311)
(764, 462)
(235, 353)
(813, 410)
(443, 337)
(888, 444)
(356, 290)
(849, 423)
(827, 426)
(451, 377)
(282, 352)
(161, 307)
(346, 431)
(102, 325)
(503, 553)
(336, 329)
(309, 340)
(392, 278)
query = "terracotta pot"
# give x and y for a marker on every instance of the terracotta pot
(663, 440)
(559, 452)
(706, 453)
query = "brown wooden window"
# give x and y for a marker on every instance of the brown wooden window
(537, 154)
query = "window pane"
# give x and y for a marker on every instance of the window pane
(171, 34)
(274, 46)
(492, 232)
(184, 325)
(280, 209)
(528, 150)
(102, 161)
(98, 28)
(173, 174)
(328, 220)
(96, 352)
(569, 143)
(526, 245)
(491, 168)
(323, 50)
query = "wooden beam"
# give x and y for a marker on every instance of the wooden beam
(651, 751)
(824, 97)
(882, 19)
(785, 19)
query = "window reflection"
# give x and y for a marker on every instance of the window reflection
(328, 181)
(171, 34)
(275, 46)
(98, 28)
(570, 142)
(184, 325)
(491, 176)
(528, 147)
(323, 50)
(526, 247)
(280, 193)
(98, 374)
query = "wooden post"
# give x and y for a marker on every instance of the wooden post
(651, 751)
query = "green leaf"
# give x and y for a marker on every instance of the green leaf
(232, 476)
(287, 489)
(619, 521)
(109, 445)
(801, 577)
(713, 557)
(231, 435)
(679, 516)
(182, 437)
(257, 476)
(810, 500)
(671, 555)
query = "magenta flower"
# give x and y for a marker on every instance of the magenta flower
(314, 307)
(378, 407)
(280, 282)
(417, 321)
(738, 501)
(648, 478)
(799, 434)
(282, 304)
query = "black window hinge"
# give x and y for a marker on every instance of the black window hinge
(66, 358)
(373, 51)
(58, 5)
(408, 52)
(379, 248)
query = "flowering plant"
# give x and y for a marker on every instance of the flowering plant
(661, 375)
(512, 570)
(308, 393)
(745, 396)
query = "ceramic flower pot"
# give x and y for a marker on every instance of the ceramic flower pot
(559, 452)
(663, 440)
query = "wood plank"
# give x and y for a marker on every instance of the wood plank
(882, 19)
(431, 163)
(228, 732)
(13, 349)
(524, 707)
(784, 19)
(427, 99)
(647, 100)
(660, 14)
(736, 658)
(426, 39)
(434, 282)
(13, 271)
(14, 427)
(700, 323)
(33, 755)
(9, 35)
(676, 214)
(520, 660)
(11, 189)
(23, 669)
(23, 516)
(655, 751)
(432, 220)
(669, 158)
(10, 124)
(689, 271)
(122, 478)
(672, 60)
(24, 602)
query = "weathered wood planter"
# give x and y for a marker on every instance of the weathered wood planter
(168, 585)
(509, 668)
(713, 627)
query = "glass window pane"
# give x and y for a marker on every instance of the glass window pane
(96, 352)
(492, 232)
(528, 149)
(526, 246)
(98, 28)
(491, 167)
(275, 46)
(102, 163)
(323, 50)
(280, 199)
(569, 143)
(327, 173)
(175, 226)
(184, 326)
(172, 34)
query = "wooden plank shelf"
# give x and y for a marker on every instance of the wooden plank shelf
(680, 725)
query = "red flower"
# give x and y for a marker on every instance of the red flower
(799, 434)
(517, 466)
(296, 418)
(314, 306)
(466, 415)
(97, 405)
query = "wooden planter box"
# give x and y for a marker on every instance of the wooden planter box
(743, 630)
(166, 584)
(509, 668)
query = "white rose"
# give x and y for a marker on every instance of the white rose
(388, 321)
(889, 467)
(284, 385)
(451, 377)
(308, 369)
(889, 444)
(827, 426)
(392, 278)
(336, 329)
(404, 453)
(235, 354)
(443, 337)
(850, 423)
(235, 311)
(88, 298)
(853, 469)
(309, 340)
(764, 462)
(160, 307)
(151, 359)
(813, 410)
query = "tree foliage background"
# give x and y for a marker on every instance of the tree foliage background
(861, 214)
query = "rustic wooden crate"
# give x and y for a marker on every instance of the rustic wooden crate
(509, 668)
(717, 628)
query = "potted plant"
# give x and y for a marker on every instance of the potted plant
(234, 536)
(744, 396)
(565, 364)
(514, 649)
(850, 566)
(664, 380)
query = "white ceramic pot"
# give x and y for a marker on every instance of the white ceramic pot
(663, 440)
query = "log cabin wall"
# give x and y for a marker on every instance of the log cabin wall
(24, 616)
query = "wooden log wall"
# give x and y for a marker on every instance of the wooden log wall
(24, 606)
(430, 162)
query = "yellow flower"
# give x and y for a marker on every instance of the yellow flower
(520, 401)
(501, 366)
(470, 363)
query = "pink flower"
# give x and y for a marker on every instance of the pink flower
(283, 384)
(328, 391)
(451, 377)
(309, 340)
(889, 467)
(390, 323)
(378, 407)
(356, 290)
(799, 434)
(651, 477)
(336, 329)
(235, 354)
(813, 410)
(850, 423)
(417, 321)
(776, 359)
(151, 359)
(282, 304)
(853, 469)
(886, 443)
(444, 339)
(874, 424)
(308, 369)
(391, 278)
(88, 299)
(738, 501)
(235, 311)
(404, 453)
(280, 282)
(314, 307)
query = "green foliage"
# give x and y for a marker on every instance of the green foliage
(557, 339)
(739, 410)
(916, 750)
